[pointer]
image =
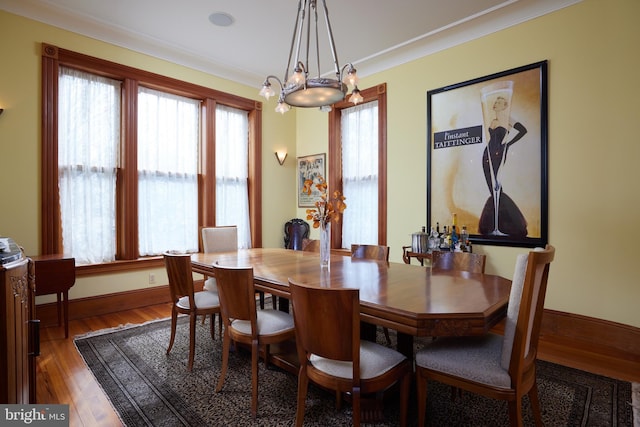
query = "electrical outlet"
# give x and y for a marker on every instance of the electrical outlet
(152, 279)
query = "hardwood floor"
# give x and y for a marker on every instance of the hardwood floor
(62, 376)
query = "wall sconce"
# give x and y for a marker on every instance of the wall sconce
(281, 156)
(1, 110)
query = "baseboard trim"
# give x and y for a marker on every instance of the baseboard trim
(597, 336)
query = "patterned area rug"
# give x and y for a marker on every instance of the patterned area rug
(147, 387)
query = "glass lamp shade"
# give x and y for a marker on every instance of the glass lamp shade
(317, 93)
(267, 91)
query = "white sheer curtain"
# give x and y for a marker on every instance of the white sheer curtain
(168, 143)
(360, 174)
(232, 171)
(88, 141)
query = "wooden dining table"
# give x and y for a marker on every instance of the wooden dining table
(411, 299)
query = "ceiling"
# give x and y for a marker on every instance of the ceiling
(374, 35)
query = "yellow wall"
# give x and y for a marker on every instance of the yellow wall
(593, 56)
(20, 142)
(593, 91)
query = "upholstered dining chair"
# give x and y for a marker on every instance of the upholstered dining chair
(246, 325)
(223, 239)
(186, 301)
(497, 366)
(218, 239)
(460, 261)
(341, 361)
(295, 231)
(377, 252)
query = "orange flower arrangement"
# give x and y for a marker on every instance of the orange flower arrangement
(327, 209)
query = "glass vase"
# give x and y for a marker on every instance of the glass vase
(325, 244)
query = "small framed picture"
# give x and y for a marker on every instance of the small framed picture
(487, 156)
(310, 167)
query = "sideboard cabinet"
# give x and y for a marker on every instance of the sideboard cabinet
(19, 334)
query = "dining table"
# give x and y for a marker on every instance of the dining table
(410, 299)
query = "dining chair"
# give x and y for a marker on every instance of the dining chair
(186, 300)
(497, 366)
(377, 252)
(311, 245)
(331, 354)
(223, 239)
(460, 261)
(246, 325)
(295, 231)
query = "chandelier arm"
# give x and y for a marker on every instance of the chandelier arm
(296, 38)
(331, 42)
(317, 38)
(271, 76)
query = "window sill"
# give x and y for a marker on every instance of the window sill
(119, 266)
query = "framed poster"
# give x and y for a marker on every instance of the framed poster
(487, 156)
(310, 167)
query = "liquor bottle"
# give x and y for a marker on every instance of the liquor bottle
(454, 237)
(464, 238)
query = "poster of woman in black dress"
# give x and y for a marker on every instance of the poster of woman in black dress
(487, 160)
(500, 215)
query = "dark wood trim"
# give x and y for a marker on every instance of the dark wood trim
(596, 333)
(50, 227)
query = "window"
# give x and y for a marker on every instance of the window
(88, 138)
(168, 140)
(132, 165)
(357, 167)
(232, 203)
(359, 136)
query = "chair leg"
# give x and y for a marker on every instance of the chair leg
(254, 378)
(192, 339)
(213, 326)
(355, 404)
(535, 405)
(226, 341)
(515, 412)
(386, 336)
(303, 383)
(421, 393)
(404, 398)
(266, 356)
(174, 320)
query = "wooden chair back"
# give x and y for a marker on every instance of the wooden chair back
(378, 252)
(180, 276)
(529, 313)
(295, 231)
(459, 261)
(317, 312)
(237, 294)
(311, 245)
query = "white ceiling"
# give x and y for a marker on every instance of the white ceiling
(372, 34)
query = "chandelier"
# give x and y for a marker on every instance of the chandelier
(298, 89)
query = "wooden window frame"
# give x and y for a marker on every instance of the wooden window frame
(127, 257)
(376, 93)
